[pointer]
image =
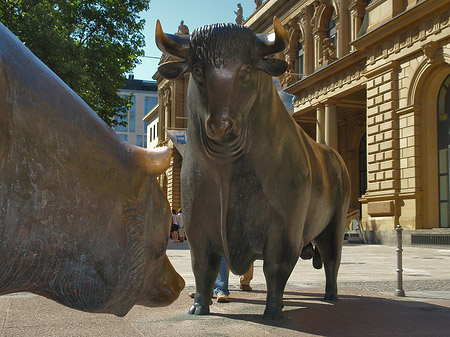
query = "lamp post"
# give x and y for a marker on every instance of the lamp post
(399, 291)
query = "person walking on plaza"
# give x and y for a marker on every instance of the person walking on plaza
(221, 284)
(181, 233)
(174, 227)
(221, 290)
(245, 279)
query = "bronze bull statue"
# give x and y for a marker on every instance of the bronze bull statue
(82, 218)
(254, 185)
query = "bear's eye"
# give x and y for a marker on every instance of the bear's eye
(198, 73)
(244, 72)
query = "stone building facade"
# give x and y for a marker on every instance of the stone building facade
(172, 114)
(372, 80)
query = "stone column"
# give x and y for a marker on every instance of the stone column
(342, 24)
(308, 42)
(319, 35)
(331, 138)
(320, 125)
(357, 10)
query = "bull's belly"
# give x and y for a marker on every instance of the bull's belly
(231, 210)
(250, 219)
(242, 247)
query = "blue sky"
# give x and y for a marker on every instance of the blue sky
(195, 13)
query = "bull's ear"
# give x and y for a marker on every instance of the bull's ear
(273, 67)
(172, 70)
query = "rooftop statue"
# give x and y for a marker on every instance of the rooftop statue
(239, 15)
(82, 218)
(254, 185)
(183, 29)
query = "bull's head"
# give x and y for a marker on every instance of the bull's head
(224, 61)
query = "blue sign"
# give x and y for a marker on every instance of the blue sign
(181, 139)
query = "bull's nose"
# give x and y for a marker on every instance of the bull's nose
(165, 289)
(221, 127)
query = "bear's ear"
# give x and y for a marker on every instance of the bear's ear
(172, 70)
(273, 67)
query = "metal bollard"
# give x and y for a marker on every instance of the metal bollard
(399, 291)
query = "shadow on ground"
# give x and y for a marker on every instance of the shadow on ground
(357, 313)
(352, 315)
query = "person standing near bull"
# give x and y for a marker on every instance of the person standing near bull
(221, 284)
(220, 289)
(244, 280)
(174, 227)
(181, 234)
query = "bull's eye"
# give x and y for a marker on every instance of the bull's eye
(198, 73)
(244, 72)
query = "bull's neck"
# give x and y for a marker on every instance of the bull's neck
(268, 109)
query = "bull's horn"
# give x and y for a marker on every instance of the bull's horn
(268, 44)
(154, 161)
(176, 45)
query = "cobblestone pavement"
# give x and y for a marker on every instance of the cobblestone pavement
(364, 267)
(375, 286)
(381, 286)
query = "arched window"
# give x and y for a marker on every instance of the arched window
(443, 135)
(362, 166)
(332, 33)
(300, 58)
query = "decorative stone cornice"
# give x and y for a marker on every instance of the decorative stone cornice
(429, 50)
(403, 30)
(345, 72)
(358, 5)
(305, 16)
(406, 40)
(414, 108)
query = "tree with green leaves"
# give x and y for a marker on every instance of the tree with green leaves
(89, 44)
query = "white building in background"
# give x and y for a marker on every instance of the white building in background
(145, 98)
(152, 121)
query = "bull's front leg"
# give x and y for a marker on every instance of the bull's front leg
(205, 265)
(279, 261)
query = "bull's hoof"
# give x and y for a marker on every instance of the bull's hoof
(273, 313)
(198, 309)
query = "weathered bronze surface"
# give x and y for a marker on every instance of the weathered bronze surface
(82, 218)
(254, 185)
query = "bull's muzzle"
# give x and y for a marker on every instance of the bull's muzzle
(220, 128)
(166, 289)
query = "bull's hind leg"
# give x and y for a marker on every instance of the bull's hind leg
(329, 243)
(279, 261)
(205, 265)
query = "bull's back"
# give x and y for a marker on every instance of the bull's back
(330, 187)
